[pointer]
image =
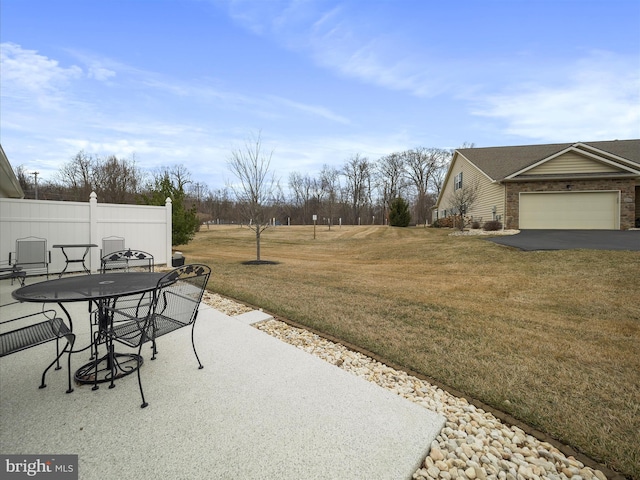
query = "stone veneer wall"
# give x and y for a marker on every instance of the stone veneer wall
(627, 188)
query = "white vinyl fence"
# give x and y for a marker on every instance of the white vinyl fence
(143, 227)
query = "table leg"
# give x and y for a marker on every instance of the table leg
(83, 260)
(112, 365)
(108, 368)
(66, 263)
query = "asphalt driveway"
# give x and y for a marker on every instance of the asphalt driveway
(572, 239)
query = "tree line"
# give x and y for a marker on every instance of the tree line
(360, 191)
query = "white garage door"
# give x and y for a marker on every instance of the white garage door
(570, 210)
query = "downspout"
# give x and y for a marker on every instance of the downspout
(504, 208)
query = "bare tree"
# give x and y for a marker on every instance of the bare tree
(330, 184)
(422, 165)
(391, 179)
(219, 206)
(439, 172)
(116, 180)
(462, 199)
(198, 191)
(301, 188)
(23, 178)
(357, 171)
(257, 190)
(76, 176)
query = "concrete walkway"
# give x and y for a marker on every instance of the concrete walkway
(260, 409)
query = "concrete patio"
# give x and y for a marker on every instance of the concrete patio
(260, 409)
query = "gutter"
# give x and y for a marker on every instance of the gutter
(540, 178)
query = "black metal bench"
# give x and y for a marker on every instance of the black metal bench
(14, 273)
(33, 334)
(127, 260)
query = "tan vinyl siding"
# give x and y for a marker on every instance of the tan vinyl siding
(571, 163)
(490, 194)
(459, 165)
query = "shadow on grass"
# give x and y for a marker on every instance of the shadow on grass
(260, 262)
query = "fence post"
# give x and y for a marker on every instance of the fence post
(93, 232)
(169, 230)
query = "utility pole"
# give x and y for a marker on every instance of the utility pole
(35, 179)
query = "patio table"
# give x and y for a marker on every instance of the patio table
(86, 246)
(101, 290)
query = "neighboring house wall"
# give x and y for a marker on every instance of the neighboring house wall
(581, 171)
(143, 227)
(468, 176)
(490, 194)
(490, 200)
(625, 186)
(571, 163)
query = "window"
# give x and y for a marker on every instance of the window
(457, 181)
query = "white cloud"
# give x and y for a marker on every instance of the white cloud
(599, 100)
(26, 73)
(100, 73)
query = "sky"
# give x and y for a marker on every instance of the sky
(187, 82)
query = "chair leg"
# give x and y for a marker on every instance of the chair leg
(193, 344)
(95, 370)
(153, 349)
(144, 403)
(70, 345)
(58, 354)
(113, 361)
(92, 350)
(56, 360)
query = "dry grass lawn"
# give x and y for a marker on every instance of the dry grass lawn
(550, 337)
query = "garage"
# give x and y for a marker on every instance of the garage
(570, 210)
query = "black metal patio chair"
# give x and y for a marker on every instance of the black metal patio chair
(111, 244)
(31, 255)
(125, 261)
(21, 333)
(174, 305)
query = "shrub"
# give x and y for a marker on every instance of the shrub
(475, 224)
(399, 215)
(492, 226)
(447, 222)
